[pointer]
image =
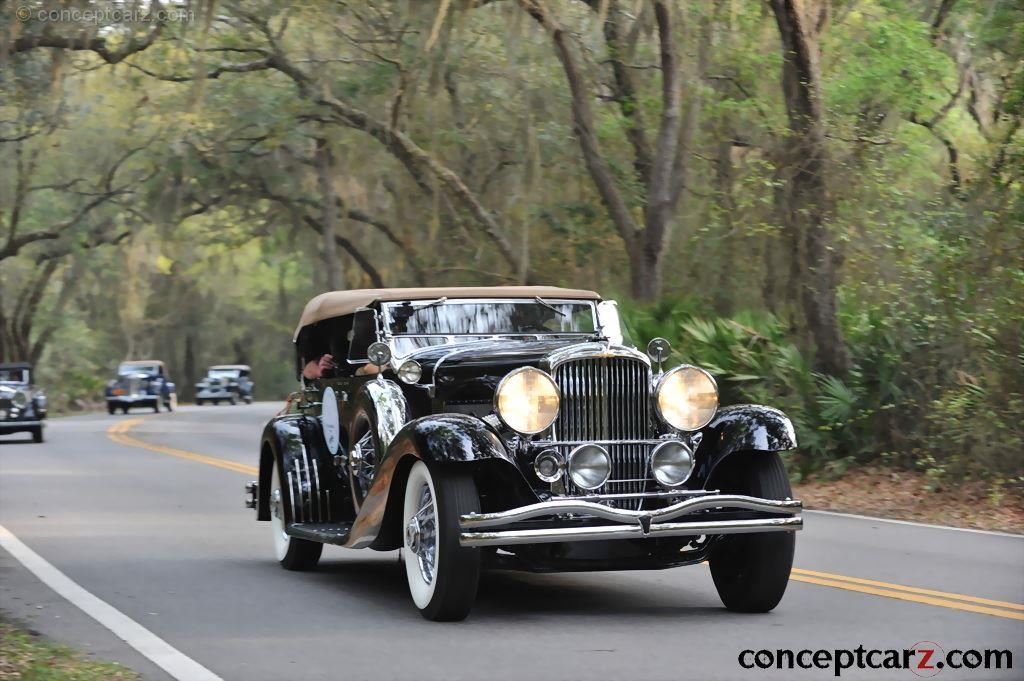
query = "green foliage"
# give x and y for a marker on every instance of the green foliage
(966, 431)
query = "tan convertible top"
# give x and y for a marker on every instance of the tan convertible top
(337, 303)
(231, 367)
(143, 362)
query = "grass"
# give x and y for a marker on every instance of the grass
(29, 657)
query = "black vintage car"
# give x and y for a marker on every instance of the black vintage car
(229, 383)
(516, 428)
(23, 407)
(141, 383)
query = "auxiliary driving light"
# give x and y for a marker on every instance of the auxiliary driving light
(549, 465)
(672, 463)
(589, 466)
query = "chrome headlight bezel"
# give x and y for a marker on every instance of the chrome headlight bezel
(19, 399)
(663, 381)
(502, 385)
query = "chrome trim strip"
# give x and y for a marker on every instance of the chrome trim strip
(622, 515)
(291, 498)
(642, 495)
(605, 532)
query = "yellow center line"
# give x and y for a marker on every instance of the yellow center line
(909, 589)
(119, 434)
(986, 606)
(903, 596)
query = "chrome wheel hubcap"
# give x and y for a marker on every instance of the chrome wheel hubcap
(421, 535)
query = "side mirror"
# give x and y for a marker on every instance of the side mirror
(658, 350)
(378, 353)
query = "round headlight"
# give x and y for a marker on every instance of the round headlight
(589, 466)
(687, 398)
(549, 465)
(410, 371)
(671, 463)
(527, 400)
(20, 399)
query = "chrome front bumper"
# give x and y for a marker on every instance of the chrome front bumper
(19, 425)
(210, 393)
(484, 529)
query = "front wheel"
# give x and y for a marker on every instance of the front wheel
(37, 434)
(442, 575)
(111, 408)
(291, 553)
(751, 571)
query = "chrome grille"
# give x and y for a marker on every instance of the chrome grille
(606, 398)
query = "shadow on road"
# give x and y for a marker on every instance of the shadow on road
(505, 593)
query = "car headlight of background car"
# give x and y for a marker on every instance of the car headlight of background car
(527, 400)
(687, 398)
(19, 399)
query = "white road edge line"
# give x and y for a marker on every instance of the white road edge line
(993, 533)
(165, 656)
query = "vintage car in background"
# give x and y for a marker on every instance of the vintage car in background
(516, 428)
(23, 407)
(141, 383)
(226, 383)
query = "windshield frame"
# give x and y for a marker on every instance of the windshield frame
(452, 338)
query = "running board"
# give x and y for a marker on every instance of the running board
(324, 533)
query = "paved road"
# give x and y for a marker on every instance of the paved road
(162, 537)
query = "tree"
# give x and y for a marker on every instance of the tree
(659, 172)
(805, 195)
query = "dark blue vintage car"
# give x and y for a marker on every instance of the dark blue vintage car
(141, 383)
(231, 383)
(22, 406)
(518, 427)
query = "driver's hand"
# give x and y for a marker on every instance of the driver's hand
(326, 363)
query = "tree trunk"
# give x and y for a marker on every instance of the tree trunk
(329, 213)
(806, 191)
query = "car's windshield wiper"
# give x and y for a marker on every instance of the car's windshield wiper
(427, 304)
(549, 306)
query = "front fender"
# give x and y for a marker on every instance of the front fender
(743, 427)
(386, 401)
(441, 441)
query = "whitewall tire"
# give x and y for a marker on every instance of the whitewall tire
(291, 553)
(442, 575)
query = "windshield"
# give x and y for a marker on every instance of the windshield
(13, 376)
(147, 369)
(421, 323)
(223, 373)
